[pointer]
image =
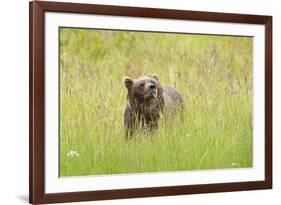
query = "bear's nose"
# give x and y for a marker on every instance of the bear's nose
(152, 87)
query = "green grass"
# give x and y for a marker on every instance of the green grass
(213, 74)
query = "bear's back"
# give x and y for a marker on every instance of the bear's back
(173, 100)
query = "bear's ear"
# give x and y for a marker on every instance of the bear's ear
(155, 76)
(128, 82)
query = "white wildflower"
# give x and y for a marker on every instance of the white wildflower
(73, 153)
(234, 165)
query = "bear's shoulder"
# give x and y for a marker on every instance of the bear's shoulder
(172, 93)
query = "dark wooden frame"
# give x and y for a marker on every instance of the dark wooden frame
(37, 95)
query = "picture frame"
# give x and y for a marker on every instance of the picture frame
(38, 153)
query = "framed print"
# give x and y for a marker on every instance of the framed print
(138, 102)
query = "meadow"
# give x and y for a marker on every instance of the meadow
(213, 74)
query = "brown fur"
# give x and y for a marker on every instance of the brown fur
(146, 101)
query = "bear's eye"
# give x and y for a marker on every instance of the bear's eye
(141, 84)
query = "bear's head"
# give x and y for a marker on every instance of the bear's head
(144, 90)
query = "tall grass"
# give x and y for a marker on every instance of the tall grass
(213, 74)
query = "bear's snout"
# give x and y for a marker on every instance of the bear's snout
(151, 91)
(152, 87)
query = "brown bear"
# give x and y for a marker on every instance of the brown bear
(146, 100)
